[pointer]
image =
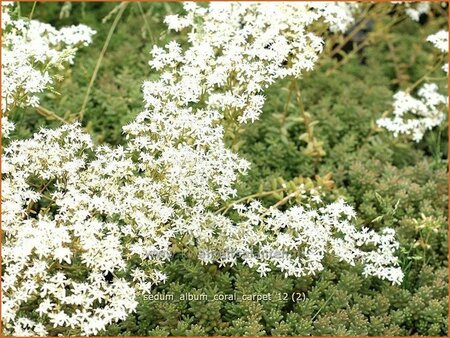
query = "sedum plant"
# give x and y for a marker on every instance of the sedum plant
(87, 227)
(426, 111)
(32, 54)
(415, 116)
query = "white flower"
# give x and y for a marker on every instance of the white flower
(58, 318)
(440, 40)
(7, 127)
(414, 9)
(415, 116)
(263, 269)
(62, 254)
(45, 306)
(32, 52)
(112, 210)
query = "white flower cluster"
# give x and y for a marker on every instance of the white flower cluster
(440, 41)
(7, 127)
(297, 240)
(87, 227)
(40, 246)
(415, 116)
(31, 51)
(414, 9)
(237, 50)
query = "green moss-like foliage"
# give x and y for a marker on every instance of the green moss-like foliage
(391, 182)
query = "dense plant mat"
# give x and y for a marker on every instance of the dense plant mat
(319, 131)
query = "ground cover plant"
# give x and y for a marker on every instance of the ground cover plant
(277, 168)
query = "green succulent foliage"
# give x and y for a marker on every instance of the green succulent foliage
(391, 182)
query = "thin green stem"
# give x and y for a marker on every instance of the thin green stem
(288, 100)
(424, 77)
(299, 98)
(48, 113)
(32, 10)
(324, 304)
(285, 199)
(123, 6)
(225, 209)
(147, 25)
